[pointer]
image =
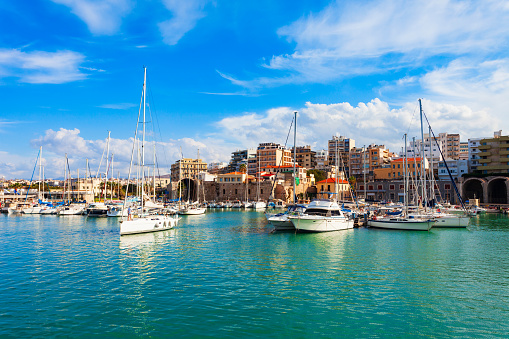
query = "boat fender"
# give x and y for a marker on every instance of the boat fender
(374, 217)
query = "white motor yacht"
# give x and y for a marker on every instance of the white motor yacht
(322, 215)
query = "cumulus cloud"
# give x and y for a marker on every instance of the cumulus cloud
(40, 67)
(185, 16)
(360, 38)
(100, 16)
(366, 123)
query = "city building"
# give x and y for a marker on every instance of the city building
(494, 154)
(216, 167)
(269, 154)
(413, 168)
(463, 151)
(321, 160)
(187, 169)
(449, 147)
(238, 158)
(305, 156)
(456, 167)
(340, 145)
(366, 160)
(326, 189)
(473, 154)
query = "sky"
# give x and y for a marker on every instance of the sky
(228, 75)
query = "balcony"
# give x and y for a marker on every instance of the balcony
(482, 147)
(484, 161)
(504, 152)
(495, 167)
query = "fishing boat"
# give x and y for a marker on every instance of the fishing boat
(143, 223)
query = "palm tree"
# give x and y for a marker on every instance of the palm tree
(243, 168)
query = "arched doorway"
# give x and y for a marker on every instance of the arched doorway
(189, 188)
(497, 191)
(473, 189)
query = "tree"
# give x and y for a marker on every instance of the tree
(243, 168)
(319, 175)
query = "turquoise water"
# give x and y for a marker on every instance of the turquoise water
(224, 274)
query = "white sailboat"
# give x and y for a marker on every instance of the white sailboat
(403, 221)
(281, 221)
(144, 223)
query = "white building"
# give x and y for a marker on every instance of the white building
(456, 167)
(473, 153)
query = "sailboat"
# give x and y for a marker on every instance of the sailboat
(193, 208)
(258, 204)
(281, 221)
(144, 223)
(405, 221)
(40, 206)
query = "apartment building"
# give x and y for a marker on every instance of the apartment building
(366, 160)
(305, 156)
(269, 154)
(340, 145)
(187, 168)
(494, 154)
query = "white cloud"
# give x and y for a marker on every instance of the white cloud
(361, 38)
(101, 16)
(366, 123)
(185, 16)
(39, 67)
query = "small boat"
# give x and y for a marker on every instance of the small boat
(72, 209)
(97, 209)
(281, 221)
(402, 223)
(322, 215)
(258, 205)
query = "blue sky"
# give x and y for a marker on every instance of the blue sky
(226, 75)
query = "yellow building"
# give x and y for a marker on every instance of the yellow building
(494, 154)
(326, 188)
(187, 168)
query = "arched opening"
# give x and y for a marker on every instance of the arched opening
(497, 191)
(188, 189)
(472, 189)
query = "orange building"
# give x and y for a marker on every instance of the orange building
(326, 188)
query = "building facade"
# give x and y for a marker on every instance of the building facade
(340, 145)
(187, 168)
(494, 154)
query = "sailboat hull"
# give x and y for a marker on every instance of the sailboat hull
(403, 224)
(452, 221)
(154, 223)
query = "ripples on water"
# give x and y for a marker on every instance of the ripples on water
(224, 274)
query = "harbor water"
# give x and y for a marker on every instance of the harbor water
(225, 274)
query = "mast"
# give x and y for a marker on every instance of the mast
(143, 139)
(65, 179)
(405, 184)
(40, 170)
(294, 159)
(154, 174)
(180, 178)
(337, 172)
(112, 177)
(364, 170)
(423, 173)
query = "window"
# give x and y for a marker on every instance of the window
(391, 187)
(220, 179)
(224, 191)
(249, 191)
(398, 166)
(370, 187)
(401, 187)
(328, 188)
(380, 187)
(447, 186)
(261, 191)
(361, 187)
